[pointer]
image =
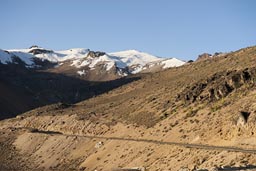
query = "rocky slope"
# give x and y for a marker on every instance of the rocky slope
(23, 89)
(199, 116)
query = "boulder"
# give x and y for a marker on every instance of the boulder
(242, 118)
(99, 144)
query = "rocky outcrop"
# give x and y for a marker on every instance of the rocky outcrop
(95, 54)
(204, 56)
(218, 86)
(33, 46)
(39, 51)
(242, 118)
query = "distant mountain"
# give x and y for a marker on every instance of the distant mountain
(90, 65)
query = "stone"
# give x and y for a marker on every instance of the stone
(99, 144)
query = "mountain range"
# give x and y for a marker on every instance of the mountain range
(87, 64)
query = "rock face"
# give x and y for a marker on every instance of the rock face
(94, 54)
(39, 51)
(204, 56)
(243, 118)
(217, 86)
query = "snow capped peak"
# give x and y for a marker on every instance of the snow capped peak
(172, 62)
(131, 52)
(134, 57)
(130, 61)
(7, 56)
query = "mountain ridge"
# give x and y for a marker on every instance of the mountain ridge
(125, 62)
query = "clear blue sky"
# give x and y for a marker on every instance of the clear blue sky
(166, 28)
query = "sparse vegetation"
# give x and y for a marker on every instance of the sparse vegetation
(164, 116)
(145, 109)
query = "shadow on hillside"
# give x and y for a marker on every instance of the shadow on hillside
(22, 89)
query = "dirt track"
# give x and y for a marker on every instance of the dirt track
(186, 145)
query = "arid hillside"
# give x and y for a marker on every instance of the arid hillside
(200, 116)
(24, 89)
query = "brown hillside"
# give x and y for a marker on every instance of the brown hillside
(196, 117)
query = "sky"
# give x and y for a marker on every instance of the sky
(165, 28)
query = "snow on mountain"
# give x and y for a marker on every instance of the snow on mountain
(5, 57)
(91, 62)
(173, 62)
(109, 63)
(121, 59)
(132, 61)
(60, 56)
(139, 60)
(134, 57)
(52, 56)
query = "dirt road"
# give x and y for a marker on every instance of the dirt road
(186, 145)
